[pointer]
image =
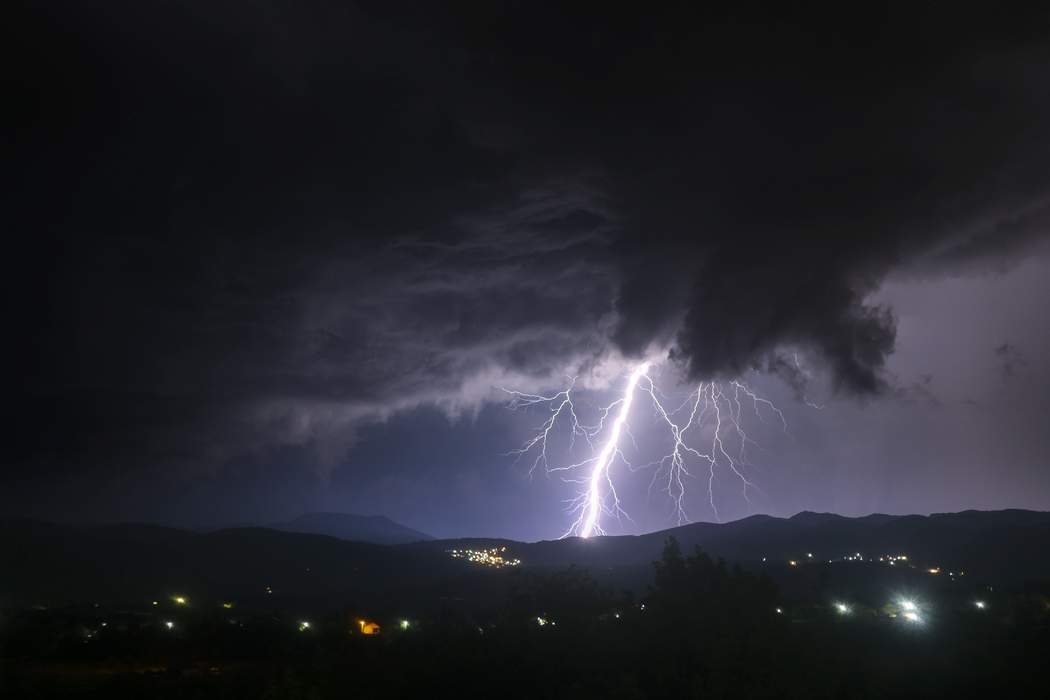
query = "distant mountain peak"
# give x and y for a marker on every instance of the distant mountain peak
(377, 529)
(811, 516)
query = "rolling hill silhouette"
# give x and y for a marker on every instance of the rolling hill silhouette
(377, 529)
(52, 564)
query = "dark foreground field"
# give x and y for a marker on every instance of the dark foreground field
(701, 629)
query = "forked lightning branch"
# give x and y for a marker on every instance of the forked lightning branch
(706, 434)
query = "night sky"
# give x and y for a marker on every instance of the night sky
(276, 257)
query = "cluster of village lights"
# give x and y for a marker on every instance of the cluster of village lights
(890, 559)
(493, 557)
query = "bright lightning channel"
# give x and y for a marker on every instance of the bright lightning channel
(719, 406)
(601, 467)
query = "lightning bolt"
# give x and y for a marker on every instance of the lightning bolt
(593, 509)
(714, 408)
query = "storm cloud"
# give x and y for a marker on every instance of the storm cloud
(240, 226)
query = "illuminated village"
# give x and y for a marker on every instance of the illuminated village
(493, 557)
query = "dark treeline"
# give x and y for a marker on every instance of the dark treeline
(704, 629)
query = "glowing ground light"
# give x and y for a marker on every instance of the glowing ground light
(179, 600)
(912, 616)
(720, 405)
(842, 609)
(405, 624)
(169, 624)
(303, 626)
(980, 604)
(909, 605)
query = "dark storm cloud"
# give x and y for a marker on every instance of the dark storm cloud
(769, 172)
(844, 163)
(245, 225)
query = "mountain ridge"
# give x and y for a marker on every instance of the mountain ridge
(377, 529)
(144, 562)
